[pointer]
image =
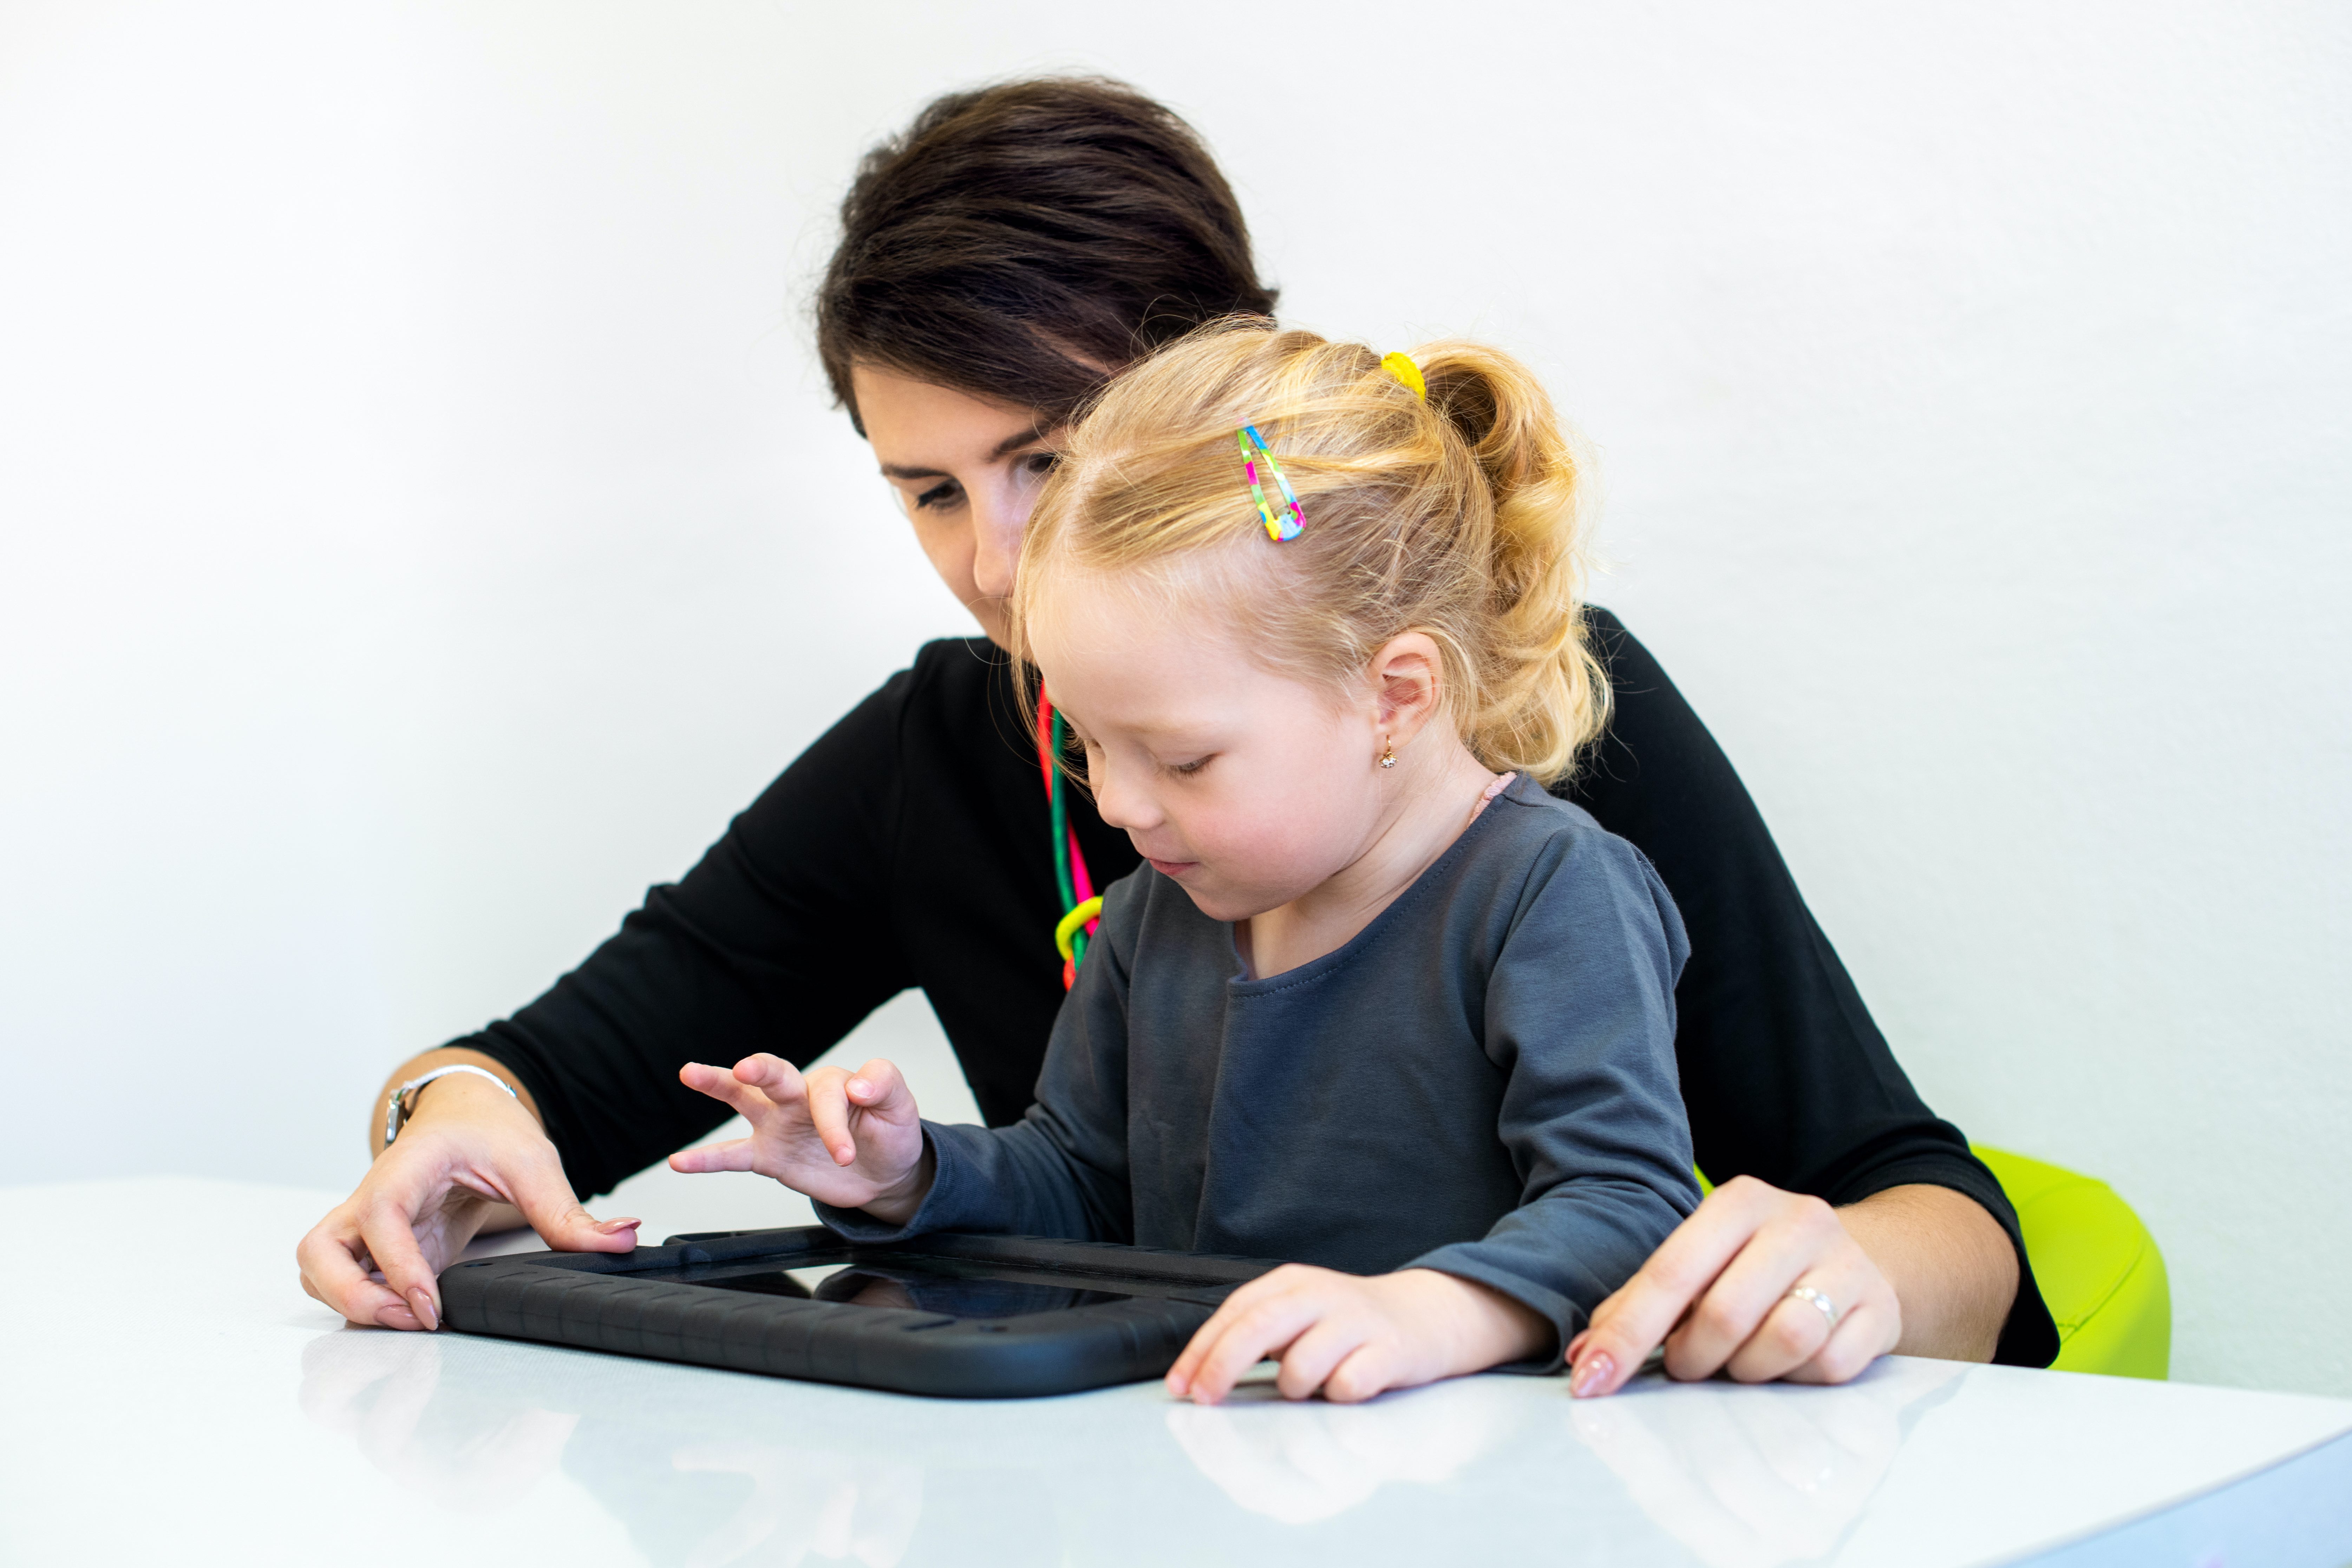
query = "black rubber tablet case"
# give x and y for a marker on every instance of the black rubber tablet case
(604, 1300)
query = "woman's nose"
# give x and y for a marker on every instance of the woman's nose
(996, 522)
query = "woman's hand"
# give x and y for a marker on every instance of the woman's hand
(470, 1148)
(1352, 1337)
(1717, 1294)
(851, 1140)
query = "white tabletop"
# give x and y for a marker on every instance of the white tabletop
(168, 1394)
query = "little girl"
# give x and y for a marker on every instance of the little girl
(1377, 1002)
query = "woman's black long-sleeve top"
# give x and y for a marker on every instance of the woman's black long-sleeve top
(911, 846)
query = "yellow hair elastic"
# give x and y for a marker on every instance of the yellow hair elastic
(1402, 367)
(1065, 933)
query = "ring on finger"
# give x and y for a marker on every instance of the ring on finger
(1813, 1298)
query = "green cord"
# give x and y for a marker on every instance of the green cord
(1069, 889)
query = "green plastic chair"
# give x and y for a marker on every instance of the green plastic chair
(2100, 1273)
(2097, 1266)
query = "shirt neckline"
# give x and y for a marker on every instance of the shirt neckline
(1238, 984)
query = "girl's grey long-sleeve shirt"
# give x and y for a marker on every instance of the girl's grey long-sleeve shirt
(1481, 1082)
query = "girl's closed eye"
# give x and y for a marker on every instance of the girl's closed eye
(943, 493)
(1186, 769)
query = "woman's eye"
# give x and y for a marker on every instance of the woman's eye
(938, 495)
(1042, 463)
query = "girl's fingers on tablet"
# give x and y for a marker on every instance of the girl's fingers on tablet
(1182, 1376)
(828, 1111)
(1367, 1370)
(1264, 1328)
(1228, 1354)
(1196, 1350)
(1315, 1355)
(1179, 1380)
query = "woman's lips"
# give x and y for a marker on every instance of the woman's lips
(1171, 868)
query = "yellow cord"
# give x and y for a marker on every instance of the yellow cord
(1070, 924)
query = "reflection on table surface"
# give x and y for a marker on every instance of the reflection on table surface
(701, 1470)
(246, 1420)
(1750, 1483)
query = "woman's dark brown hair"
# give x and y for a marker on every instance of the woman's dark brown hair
(1021, 241)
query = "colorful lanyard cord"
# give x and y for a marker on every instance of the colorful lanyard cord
(1082, 908)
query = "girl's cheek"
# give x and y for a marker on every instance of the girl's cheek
(1276, 843)
(1282, 828)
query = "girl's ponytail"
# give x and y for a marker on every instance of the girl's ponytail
(1546, 694)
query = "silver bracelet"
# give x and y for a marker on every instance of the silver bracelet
(395, 1113)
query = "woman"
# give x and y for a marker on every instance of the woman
(999, 261)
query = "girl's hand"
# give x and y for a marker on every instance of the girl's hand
(1717, 1294)
(1353, 1337)
(851, 1140)
(471, 1159)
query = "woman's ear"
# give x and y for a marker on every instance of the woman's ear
(1407, 681)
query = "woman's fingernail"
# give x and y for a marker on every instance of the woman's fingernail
(1595, 1371)
(422, 1305)
(615, 1226)
(860, 1087)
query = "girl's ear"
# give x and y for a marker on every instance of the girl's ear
(1406, 676)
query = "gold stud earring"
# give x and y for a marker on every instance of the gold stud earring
(1388, 753)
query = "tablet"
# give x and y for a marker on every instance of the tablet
(980, 1317)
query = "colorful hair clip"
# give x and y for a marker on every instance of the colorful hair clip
(1279, 528)
(1402, 367)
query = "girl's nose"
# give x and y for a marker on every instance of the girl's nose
(1129, 810)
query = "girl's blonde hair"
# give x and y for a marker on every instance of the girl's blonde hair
(1461, 517)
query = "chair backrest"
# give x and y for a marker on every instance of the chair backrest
(2099, 1269)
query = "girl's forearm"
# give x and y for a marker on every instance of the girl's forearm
(1949, 1262)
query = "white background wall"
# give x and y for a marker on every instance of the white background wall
(421, 524)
